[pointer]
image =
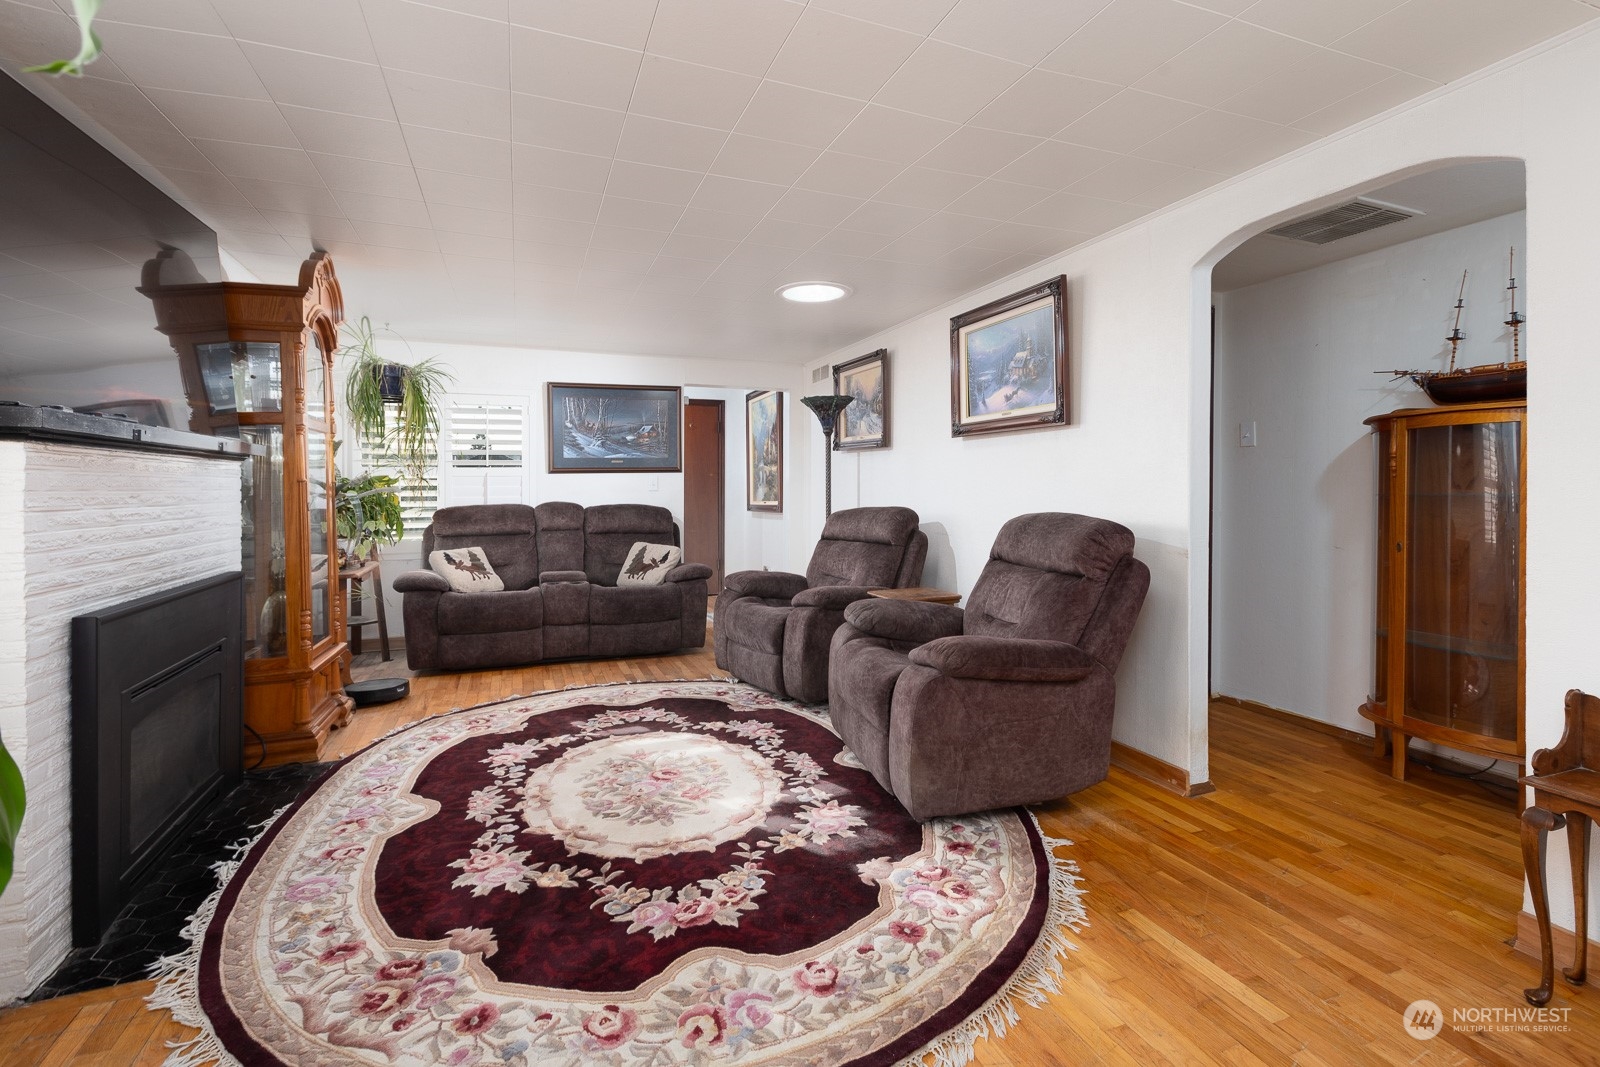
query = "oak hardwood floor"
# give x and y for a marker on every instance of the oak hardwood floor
(1287, 918)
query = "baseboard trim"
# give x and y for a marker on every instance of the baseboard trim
(1171, 778)
(1562, 942)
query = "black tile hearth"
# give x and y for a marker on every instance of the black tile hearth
(150, 926)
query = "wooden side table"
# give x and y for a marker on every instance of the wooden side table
(355, 581)
(918, 592)
(1566, 792)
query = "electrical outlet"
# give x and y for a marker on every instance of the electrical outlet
(1247, 435)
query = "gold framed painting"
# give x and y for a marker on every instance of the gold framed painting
(1008, 362)
(864, 424)
(763, 444)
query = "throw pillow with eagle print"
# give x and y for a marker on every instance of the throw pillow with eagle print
(466, 569)
(648, 564)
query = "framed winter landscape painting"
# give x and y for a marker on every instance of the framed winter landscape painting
(1008, 362)
(763, 443)
(865, 423)
(613, 427)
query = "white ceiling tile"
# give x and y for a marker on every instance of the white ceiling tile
(689, 246)
(115, 105)
(563, 68)
(199, 115)
(538, 120)
(1041, 103)
(813, 208)
(736, 195)
(259, 161)
(972, 258)
(917, 16)
(569, 204)
(1015, 237)
(377, 233)
(1174, 188)
(638, 214)
(921, 187)
(626, 239)
(466, 190)
(206, 187)
(997, 200)
(803, 116)
(1392, 91)
(1318, 23)
(395, 211)
(670, 285)
(442, 104)
(285, 196)
(738, 35)
(1023, 31)
(472, 220)
(858, 176)
(1224, 7)
(1055, 164)
(475, 245)
(1125, 178)
(888, 220)
(531, 165)
(551, 255)
(367, 176)
(1273, 143)
(947, 82)
(1203, 138)
(974, 150)
(489, 9)
(446, 44)
(1323, 80)
(668, 144)
(347, 135)
(684, 92)
(608, 281)
(952, 228)
(891, 134)
(1130, 38)
(837, 54)
(538, 278)
(551, 231)
(760, 160)
(696, 270)
(1444, 39)
(210, 64)
(167, 148)
(698, 222)
(330, 27)
(844, 242)
(483, 157)
(611, 259)
(306, 80)
(1128, 120)
(625, 23)
(912, 250)
(194, 16)
(1223, 63)
(781, 234)
(661, 185)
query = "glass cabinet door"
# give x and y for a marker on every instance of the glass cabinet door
(323, 561)
(264, 549)
(1463, 577)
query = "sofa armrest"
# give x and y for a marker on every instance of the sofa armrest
(1006, 659)
(561, 577)
(778, 585)
(913, 621)
(837, 597)
(420, 582)
(689, 572)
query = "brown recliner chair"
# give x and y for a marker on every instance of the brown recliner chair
(1008, 701)
(773, 628)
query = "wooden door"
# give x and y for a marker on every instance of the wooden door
(703, 490)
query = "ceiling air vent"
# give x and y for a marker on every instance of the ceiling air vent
(1346, 220)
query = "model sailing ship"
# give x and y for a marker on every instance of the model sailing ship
(1489, 381)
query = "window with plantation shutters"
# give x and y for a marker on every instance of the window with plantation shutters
(487, 446)
(417, 501)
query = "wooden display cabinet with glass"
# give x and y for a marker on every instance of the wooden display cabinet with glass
(1450, 625)
(257, 364)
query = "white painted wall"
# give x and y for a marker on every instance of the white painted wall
(1137, 450)
(1295, 517)
(754, 539)
(81, 529)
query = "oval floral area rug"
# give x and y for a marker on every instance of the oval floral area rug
(640, 875)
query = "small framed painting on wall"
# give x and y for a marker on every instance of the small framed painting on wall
(764, 450)
(865, 423)
(613, 427)
(1008, 362)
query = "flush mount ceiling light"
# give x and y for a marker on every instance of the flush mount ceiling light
(813, 292)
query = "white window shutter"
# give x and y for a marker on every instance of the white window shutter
(417, 502)
(487, 448)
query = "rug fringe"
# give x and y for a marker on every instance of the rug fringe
(1037, 978)
(177, 986)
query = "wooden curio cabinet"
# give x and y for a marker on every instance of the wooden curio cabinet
(257, 364)
(1450, 579)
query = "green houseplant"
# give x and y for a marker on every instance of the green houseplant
(13, 801)
(366, 512)
(416, 391)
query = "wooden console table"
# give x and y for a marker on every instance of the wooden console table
(1566, 792)
(918, 592)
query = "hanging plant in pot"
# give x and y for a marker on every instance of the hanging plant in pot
(415, 391)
